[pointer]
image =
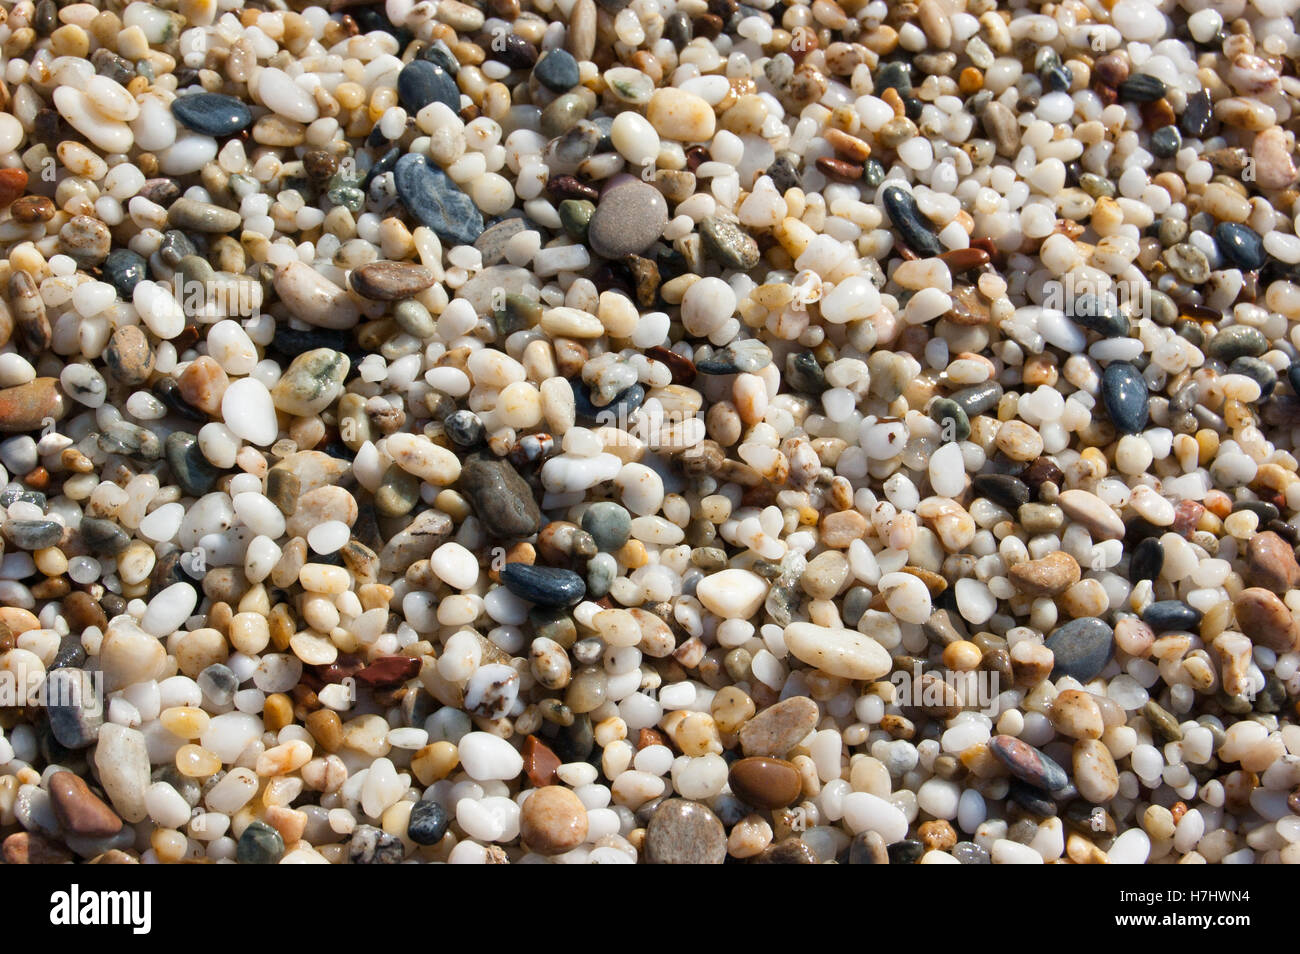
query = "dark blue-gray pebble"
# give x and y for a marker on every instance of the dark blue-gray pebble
(1082, 648)
(907, 218)
(430, 195)
(557, 70)
(422, 82)
(212, 114)
(1166, 615)
(1124, 392)
(1240, 245)
(124, 269)
(1259, 371)
(260, 844)
(1100, 315)
(1147, 561)
(428, 823)
(543, 585)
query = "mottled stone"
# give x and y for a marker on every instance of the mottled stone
(683, 832)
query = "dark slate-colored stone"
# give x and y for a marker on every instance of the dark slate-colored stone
(1031, 798)
(557, 70)
(901, 207)
(260, 844)
(979, 398)
(1124, 392)
(905, 852)
(1236, 341)
(894, 75)
(212, 114)
(1100, 314)
(543, 585)
(503, 501)
(1147, 561)
(428, 823)
(784, 175)
(436, 201)
(1166, 615)
(103, 536)
(615, 411)
(124, 269)
(949, 413)
(175, 246)
(1165, 142)
(1195, 120)
(1142, 88)
(1003, 489)
(1082, 648)
(188, 465)
(422, 82)
(1028, 764)
(1240, 245)
(33, 534)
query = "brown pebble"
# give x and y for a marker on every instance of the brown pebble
(32, 208)
(79, 809)
(25, 407)
(29, 848)
(1266, 620)
(12, 184)
(389, 671)
(81, 611)
(839, 170)
(540, 762)
(390, 281)
(553, 821)
(1271, 563)
(765, 782)
(788, 851)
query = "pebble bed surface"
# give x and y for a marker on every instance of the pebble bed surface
(666, 431)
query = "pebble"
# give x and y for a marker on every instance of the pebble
(553, 821)
(1029, 764)
(372, 846)
(682, 832)
(779, 728)
(212, 114)
(1081, 648)
(728, 244)
(765, 782)
(436, 201)
(428, 822)
(79, 810)
(839, 652)
(557, 70)
(1124, 392)
(422, 82)
(630, 217)
(390, 281)
(543, 585)
(501, 498)
(904, 213)
(1271, 563)
(1266, 620)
